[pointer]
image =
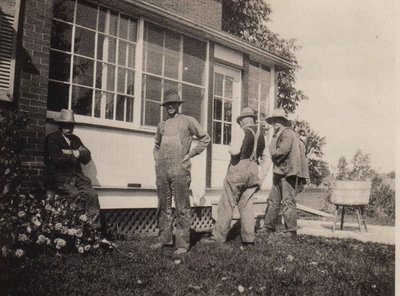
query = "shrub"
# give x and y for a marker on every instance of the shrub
(32, 223)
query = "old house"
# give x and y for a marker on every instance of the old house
(111, 62)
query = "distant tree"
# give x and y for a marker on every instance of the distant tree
(361, 169)
(342, 169)
(391, 175)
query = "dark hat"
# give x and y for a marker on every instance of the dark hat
(171, 96)
(66, 116)
(246, 112)
(278, 113)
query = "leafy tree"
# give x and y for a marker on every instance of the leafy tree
(361, 169)
(319, 169)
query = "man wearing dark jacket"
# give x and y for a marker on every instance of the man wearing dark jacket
(290, 171)
(65, 153)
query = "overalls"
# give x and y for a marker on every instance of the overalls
(240, 184)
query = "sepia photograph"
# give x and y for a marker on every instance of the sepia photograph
(198, 147)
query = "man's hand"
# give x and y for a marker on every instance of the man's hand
(76, 153)
(186, 158)
(67, 151)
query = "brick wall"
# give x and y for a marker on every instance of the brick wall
(33, 72)
(206, 12)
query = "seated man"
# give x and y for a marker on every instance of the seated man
(64, 154)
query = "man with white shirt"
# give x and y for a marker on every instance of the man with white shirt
(241, 181)
(65, 153)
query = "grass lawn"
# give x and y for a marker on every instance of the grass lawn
(274, 266)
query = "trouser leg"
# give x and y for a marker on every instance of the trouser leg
(247, 215)
(224, 212)
(92, 205)
(182, 208)
(164, 210)
(65, 186)
(289, 203)
(274, 203)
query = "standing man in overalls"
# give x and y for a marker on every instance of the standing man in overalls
(241, 181)
(290, 171)
(172, 157)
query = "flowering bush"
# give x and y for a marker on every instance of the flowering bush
(54, 224)
(31, 223)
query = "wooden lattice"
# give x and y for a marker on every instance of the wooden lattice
(128, 222)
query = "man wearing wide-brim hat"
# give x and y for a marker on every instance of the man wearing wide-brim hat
(241, 181)
(64, 153)
(289, 172)
(172, 155)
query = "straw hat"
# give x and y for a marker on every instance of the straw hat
(171, 96)
(66, 116)
(278, 113)
(246, 112)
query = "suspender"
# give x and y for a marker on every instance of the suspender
(253, 155)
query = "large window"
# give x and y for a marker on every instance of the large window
(171, 61)
(92, 61)
(259, 86)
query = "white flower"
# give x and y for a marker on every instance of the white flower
(71, 231)
(79, 233)
(22, 237)
(96, 246)
(83, 218)
(4, 251)
(64, 230)
(48, 207)
(28, 229)
(48, 241)
(36, 221)
(19, 253)
(81, 250)
(21, 214)
(60, 243)
(87, 248)
(41, 239)
(58, 226)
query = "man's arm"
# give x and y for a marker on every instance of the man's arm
(282, 147)
(204, 139)
(55, 154)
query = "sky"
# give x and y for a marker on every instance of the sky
(348, 71)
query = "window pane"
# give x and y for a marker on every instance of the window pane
(228, 110)
(100, 73)
(194, 56)
(168, 84)
(121, 80)
(123, 27)
(120, 108)
(193, 97)
(131, 83)
(110, 77)
(102, 19)
(84, 42)
(152, 88)
(97, 103)
(86, 14)
(131, 56)
(228, 87)
(101, 47)
(217, 132)
(129, 109)
(57, 96)
(64, 9)
(83, 71)
(61, 36)
(82, 100)
(218, 83)
(217, 108)
(132, 30)
(172, 43)
(227, 133)
(60, 64)
(154, 37)
(152, 113)
(112, 46)
(109, 105)
(112, 29)
(122, 53)
(171, 66)
(154, 62)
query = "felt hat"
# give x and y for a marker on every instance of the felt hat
(66, 116)
(246, 112)
(171, 96)
(278, 113)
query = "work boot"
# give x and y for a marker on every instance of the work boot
(181, 251)
(246, 245)
(267, 231)
(290, 234)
